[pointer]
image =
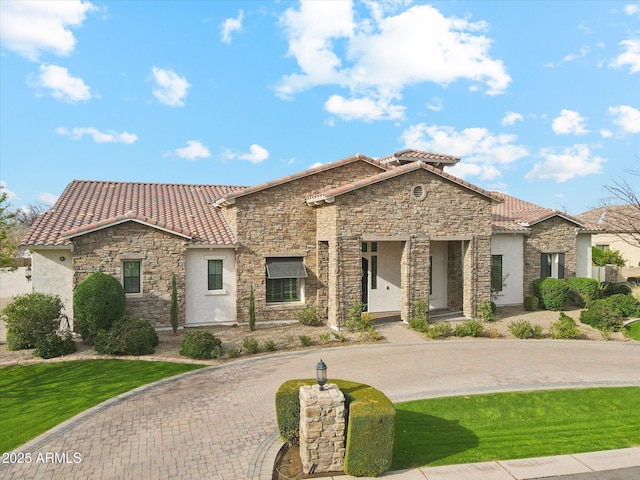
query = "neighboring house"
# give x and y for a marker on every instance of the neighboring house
(386, 232)
(618, 222)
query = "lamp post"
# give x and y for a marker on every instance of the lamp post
(321, 374)
(27, 273)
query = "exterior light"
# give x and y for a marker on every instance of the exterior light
(321, 374)
(27, 273)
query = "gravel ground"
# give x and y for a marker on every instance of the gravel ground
(286, 337)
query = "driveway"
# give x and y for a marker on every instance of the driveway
(215, 423)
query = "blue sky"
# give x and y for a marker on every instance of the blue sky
(540, 99)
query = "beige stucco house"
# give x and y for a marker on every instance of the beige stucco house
(386, 232)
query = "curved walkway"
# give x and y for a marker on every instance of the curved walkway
(218, 422)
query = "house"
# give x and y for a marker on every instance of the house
(386, 232)
(619, 224)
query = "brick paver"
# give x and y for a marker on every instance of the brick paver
(215, 423)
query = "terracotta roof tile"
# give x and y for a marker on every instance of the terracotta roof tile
(613, 218)
(410, 155)
(187, 210)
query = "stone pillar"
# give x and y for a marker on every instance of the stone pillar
(322, 428)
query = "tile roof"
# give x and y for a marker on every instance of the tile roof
(614, 218)
(394, 172)
(304, 173)
(84, 206)
(516, 215)
(414, 155)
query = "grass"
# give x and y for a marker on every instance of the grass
(35, 398)
(479, 428)
(633, 331)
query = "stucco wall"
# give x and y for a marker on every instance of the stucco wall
(510, 246)
(629, 252)
(204, 307)
(584, 262)
(52, 273)
(13, 283)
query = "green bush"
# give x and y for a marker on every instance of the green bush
(487, 311)
(469, 328)
(625, 305)
(421, 311)
(128, 336)
(324, 337)
(305, 340)
(30, 317)
(53, 345)
(250, 344)
(98, 302)
(358, 321)
(270, 345)
(309, 316)
(582, 290)
(614, 288)
(370, 427)
(564, 327)
(201, 345)
(234, 352)
(600, 315)
(531, 303)
(607, 257)
(439, 330)
(524, 329)
(418, 324)
(551, 292)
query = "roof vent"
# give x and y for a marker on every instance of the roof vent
(419, 191)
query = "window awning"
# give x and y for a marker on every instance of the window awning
(285, 268)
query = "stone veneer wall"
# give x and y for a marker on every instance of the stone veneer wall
(554, 235)
(161, 255)
(276, 222)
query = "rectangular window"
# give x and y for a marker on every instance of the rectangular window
(364, 247)
(374, 271)
(496, 273)
(602, 248)
(285, 279)
(552, 265)
(374, 247)
(131, 276)
(214, 280)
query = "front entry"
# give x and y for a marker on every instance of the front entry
(365, 284)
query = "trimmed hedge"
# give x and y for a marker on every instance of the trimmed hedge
(370, 426)
(531, 303)
(129, 336)
(201, 345)
(551, 292)
(582, 290)
(31, 317)
(98, 302)
(53, 345)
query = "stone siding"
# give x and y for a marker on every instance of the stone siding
(161, 255)
(554, 235)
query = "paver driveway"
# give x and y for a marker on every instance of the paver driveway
(210, 423)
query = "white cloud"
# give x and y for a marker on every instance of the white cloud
(229, 26)
(436, 104)
(256, 154)
(367, 109)
(631, 9)
(47, 198)
(480, 150)
(170, 89)
(576, 161)
(573, 56)
(63, 86)
(10, 194)
(606, 133)
(626, 117)
(569, 122)
(193, 151)
(33, 27)
(316, 164)
(98, 136)
(510, 118)
(630, 57)
(376, 57)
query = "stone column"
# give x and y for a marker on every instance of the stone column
(322, 428)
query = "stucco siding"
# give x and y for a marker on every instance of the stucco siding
(52, 271)
(511, 247)
(583, 256)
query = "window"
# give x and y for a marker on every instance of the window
(552, 265)
(374, 247)
(285, 278)
(602, 248)
(214, 279)
(374, 272)
(131, 276)
(364, 247)
(496, 273)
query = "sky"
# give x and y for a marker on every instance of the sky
(540, 99)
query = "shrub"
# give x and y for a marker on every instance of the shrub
(98, 301)
(469, 328)
(53, 345)
(340, 337)
(625, 305)
(613, 288)
(524, 329)
(601, 316)
(635, 291)
(270, 346)
(324, 337)
(128, 336)
(531, 303)
(564, 327)
(439, 330)
(200, 344)
(418, 324)
(551, 292)
(421, 311)
(30, 317)
(487, 311)
(305, 340)
(373, 334)
(250, 344)
(234, 352)
(607, 257)
(582, 290)
(309, 316)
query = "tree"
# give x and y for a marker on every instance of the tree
(8, 246)
(625, 222)
(600, 258)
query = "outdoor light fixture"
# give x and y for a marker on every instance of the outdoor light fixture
(27, 273)
(321, 374)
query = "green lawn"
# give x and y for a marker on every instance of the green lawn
(35, 398)
(633, 330)
(480, 428)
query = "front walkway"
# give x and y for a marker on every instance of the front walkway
(215, 423)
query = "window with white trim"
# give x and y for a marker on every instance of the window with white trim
(552, 265)
(285, 279)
